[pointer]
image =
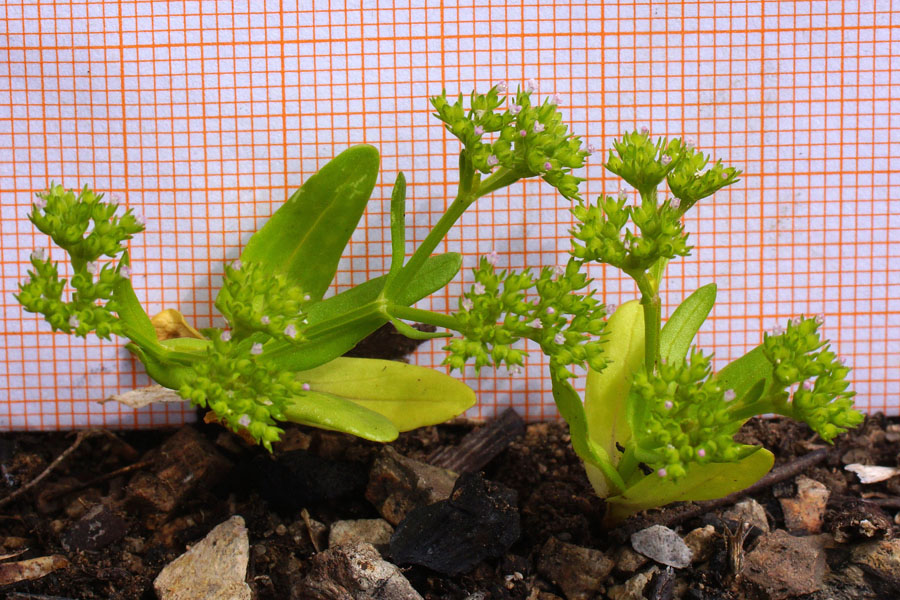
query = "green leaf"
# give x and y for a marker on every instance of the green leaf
(681, 328)
(165, 373)
(605, 392)
(352, 324)
(135, 320)
(326, 411)
(398, 225)
(408, 395)
(305, 238)
(702, 482)
(572, 410)
(747, 372)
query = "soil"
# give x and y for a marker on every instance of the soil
(554, 500)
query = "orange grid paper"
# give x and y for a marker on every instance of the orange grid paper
(205, 116)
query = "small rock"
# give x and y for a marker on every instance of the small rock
(479, 520)
(628, 561)
(298, 479)
(353, 573)
(633, 589)
(805, 512)
(398, 484)
(858, 521)
(98, 528)
(376, 532)
(663, 545)
(185, 463)
(881, 559)
(213, 569)
(748, 511)
(579, 572)
(872, 473)
(702, 542)
(783, 566)
(32, 568)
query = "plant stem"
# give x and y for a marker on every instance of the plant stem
(464, 199)
(652, 317)
(409, 313)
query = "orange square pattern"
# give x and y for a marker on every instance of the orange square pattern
(204, 116)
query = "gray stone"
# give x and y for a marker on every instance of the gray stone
(805, 512)
(354, 572)
(783, 566)
(377, 532)
(662, 545)
(579, 572)
(748, 511)
(213, 569)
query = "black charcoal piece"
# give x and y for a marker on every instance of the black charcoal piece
(479, 520)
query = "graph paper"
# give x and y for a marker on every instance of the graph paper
(204, 116)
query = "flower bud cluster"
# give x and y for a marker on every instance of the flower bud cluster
(66, 218)
(690, 180)
(681, 416)
(532, 139)
(822, 399)
(242, 390)
(642, 162)
(599, 231)
(255, 299)
(495, 314)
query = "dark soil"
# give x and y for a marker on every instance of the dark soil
(554, 499)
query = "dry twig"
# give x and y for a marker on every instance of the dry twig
(80, 437)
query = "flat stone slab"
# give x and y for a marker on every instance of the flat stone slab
(214, 569)
(662, 545)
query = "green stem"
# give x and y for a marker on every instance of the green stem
(419, 315)
(652, 305)
(346, 319)
(628, 464)
(464, 199)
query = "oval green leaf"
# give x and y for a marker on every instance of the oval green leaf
(326, 411)
(679, 331)
(305, 238)
(702, 482)
(605, 392)
(594, 456)
(408, 395)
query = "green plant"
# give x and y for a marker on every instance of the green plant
(656, 425)
(279, 358)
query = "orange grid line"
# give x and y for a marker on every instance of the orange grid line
(205, 116)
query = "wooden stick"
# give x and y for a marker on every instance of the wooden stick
(481, 445)
(100, 479)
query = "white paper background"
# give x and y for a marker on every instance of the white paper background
(204, 116)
